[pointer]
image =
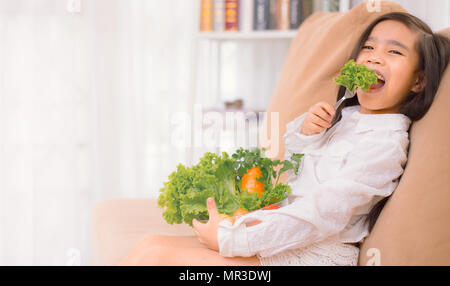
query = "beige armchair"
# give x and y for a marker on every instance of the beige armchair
(413, 228)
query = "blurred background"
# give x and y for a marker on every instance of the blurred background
(91, 92)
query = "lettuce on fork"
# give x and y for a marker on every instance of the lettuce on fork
(354, 75)
(184, 196)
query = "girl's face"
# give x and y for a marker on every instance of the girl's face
(390, 50)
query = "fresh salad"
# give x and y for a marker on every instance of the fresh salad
(242, 183)
(354, 75)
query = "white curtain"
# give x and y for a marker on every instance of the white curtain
(436, 13)
(85, 105)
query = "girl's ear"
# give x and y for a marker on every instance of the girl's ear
(420, 82)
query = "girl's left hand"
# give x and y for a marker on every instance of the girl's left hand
(207, 232)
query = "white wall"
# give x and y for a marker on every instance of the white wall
(436, 13)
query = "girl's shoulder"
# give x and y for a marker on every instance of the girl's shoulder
(384, 123)
(383, 139)
(377, 122)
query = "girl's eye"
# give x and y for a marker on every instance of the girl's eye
(369, 47)
(397, 52)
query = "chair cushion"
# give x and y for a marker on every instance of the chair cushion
(412, 228)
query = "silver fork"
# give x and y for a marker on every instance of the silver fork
(348, 94)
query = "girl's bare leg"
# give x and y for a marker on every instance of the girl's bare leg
(150, 241)
(179, 250)
(166, 256)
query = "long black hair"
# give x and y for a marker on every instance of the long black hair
(434, 53)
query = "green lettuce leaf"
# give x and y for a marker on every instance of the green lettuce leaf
(354, 75)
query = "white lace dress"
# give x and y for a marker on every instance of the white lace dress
(329, 252)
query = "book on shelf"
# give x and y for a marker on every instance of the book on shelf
(260, 15)
(219, 15)
(298, 11)
(281, 15)
(232, 15)
(246, 15)
(206, 16)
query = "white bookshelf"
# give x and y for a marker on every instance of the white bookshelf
(217, 40)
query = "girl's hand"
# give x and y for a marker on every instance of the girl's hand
(207, 232)
(319, 118)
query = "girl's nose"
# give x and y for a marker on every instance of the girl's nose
(375, 60)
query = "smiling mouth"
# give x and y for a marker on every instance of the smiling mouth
(377, 86)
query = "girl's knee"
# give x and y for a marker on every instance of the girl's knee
(149, 247)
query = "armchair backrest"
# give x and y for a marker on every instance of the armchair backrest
(413, 226)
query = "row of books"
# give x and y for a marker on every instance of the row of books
(258, 15)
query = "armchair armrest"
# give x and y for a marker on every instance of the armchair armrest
(118, 224)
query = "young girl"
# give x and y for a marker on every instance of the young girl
(348, 171)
